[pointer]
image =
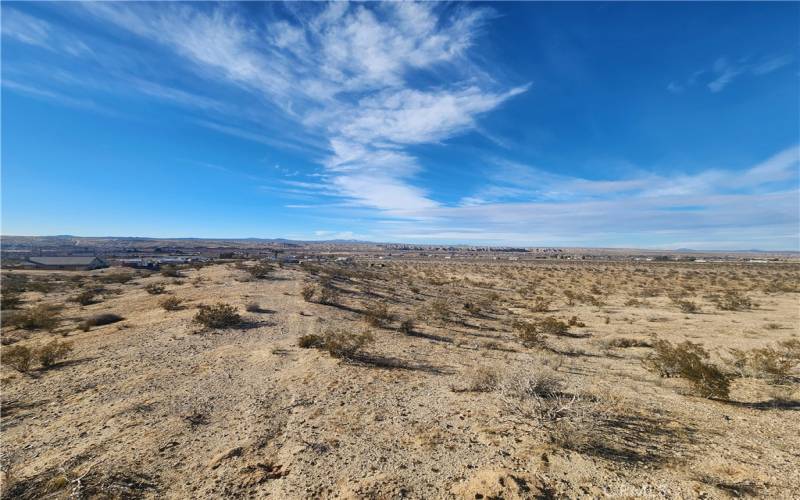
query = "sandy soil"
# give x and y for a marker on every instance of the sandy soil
(156, 406)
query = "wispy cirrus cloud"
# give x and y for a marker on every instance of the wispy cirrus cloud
(34, 31)
(527, 205)
(343, 73)
(724, 71)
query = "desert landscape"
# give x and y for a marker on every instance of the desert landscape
(403, 379)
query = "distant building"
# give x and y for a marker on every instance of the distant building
(68, 263)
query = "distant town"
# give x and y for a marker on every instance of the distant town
(73, 252)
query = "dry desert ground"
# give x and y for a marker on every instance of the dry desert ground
(412, 379)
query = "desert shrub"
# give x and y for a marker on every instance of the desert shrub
(39, 317)
(345, 344)
(687, 360)
(437, 310)
(310, 340)
(9, 300)
(472, 308)
(155, 288)
(574, 321)
(18, 357)
(570, 296)
(540, 304)
(775, 364)
(252, 307)
(624, 343)
(170, 272)
(86, 297)
(538, 399)
(308, 292)
(377, 314)
(733, 301)
(100, 320)
(52, 352)
(407, 326)
(481, 379)
(327, 295)
(529, 333)
(218, 316)
(552, 326)
(633, 302)
(686, 306)
(260, 270)
(115, 277)
(171, 303)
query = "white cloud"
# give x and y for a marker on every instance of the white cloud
(755, 207)
(723, 72)
(342, 72)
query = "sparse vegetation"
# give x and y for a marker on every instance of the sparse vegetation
(260, 270)
(688, 360)
(218, 316)
(170, 272)
(733, 300)
(9, 300)
(407, 326)
(86, 297)
(155, 288)
(774, 363)
(171, 303)
(377, 314)
(529, 333)
(339, 343)
(308, 292)
(19, 357)
(52, 352)
(38, 317)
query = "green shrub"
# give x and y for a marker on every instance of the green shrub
(327, 295)
(310, 340)
(115, 277)
(86, 297)
(552, 326)
(377, 314)
(52, 352)
(773, 363)
(407, 326)
(308, 292)
(688, 361)
(260, 270)
(541, 305)
(628, 342)
(529, 333)
(9, 300)
(39, 317)
(171, 303)
(686, 306)
(218, 316)
(734, 301)
(18, 357)
(574, 321)
(170, 272)
(344, 344)
(155, 288)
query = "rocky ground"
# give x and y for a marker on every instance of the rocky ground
(158, 406)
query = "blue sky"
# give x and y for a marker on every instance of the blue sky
(660, 125)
